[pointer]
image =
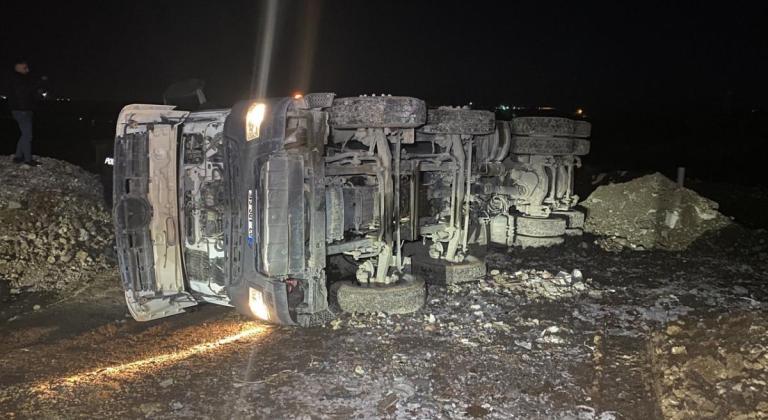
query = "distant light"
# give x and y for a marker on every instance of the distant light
(45, 94)
(579, 111)
(297, 95)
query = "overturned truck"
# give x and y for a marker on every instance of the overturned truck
(245, 206)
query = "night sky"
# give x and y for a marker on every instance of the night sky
(606, 57)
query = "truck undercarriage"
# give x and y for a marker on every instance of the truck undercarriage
(266, 192)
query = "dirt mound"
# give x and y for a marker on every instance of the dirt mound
(54, 228)
(650, 212)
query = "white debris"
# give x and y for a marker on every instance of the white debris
(543, 285)
(524, 344)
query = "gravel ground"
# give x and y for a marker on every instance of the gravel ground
(571, 332)
(568, 332)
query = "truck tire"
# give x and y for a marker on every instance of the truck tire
(447, 120)
(533, 242)
(580, 147)
(540, 228)
(574, 219)
(540, 145)
(550, 126)
(403, 297)
(582, 129)
(378, 112)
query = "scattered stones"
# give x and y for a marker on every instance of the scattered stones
(543, 285)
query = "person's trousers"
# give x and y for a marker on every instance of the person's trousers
(24, 146)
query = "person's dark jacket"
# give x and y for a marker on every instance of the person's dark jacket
(22, 92)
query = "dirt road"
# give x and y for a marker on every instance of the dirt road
(629, 335)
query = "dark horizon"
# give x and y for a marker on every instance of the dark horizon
(606, 58)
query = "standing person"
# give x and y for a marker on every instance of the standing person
(22, 98)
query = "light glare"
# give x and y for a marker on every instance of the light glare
(257, 305)
(253, 120)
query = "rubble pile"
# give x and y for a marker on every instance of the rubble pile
(650, 212)
(55, 231)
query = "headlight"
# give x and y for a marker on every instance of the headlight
(257, 305)
(253, 120)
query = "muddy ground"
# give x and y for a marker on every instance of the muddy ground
(635, 334)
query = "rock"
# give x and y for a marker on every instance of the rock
(36, 307)
(81, 256)
(708, 369)
(679, 350)
(524, 344)
(740, 290)
(166, 383)
(359, 370)
(404, 388)
(674, 330)
(388, 404)
(495, 272)
(149, 409)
